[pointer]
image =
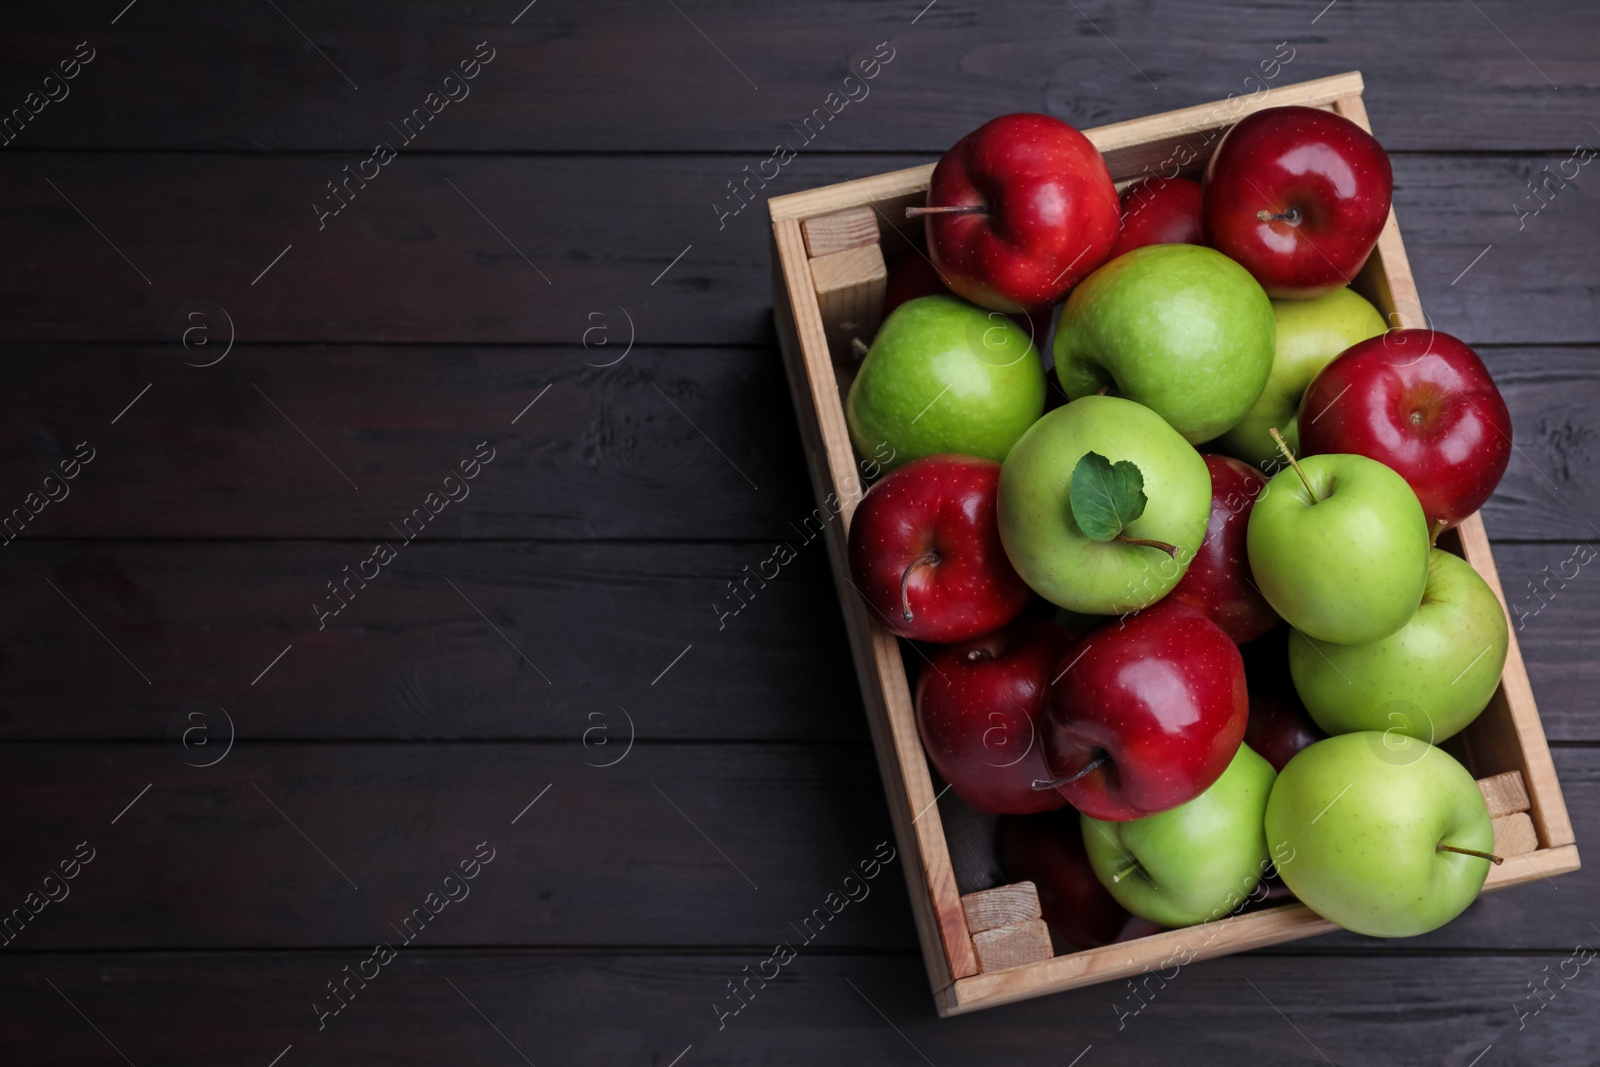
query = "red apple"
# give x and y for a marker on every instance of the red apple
(1422, 403)
(978, 705)
(911, 275)
(1218, 581)
(1279, 724)
(1047, 850)
(1298, 196)
(1019, 211)
(1146, 713)
(1159, 211)
(925, 551)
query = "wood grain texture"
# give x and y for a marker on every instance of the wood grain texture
(589, 1007)
(907, 782)
(1509, 734)
(208, 857)
(411, 261)
(1514, 835)
(1000, 906)
(850, 288)
(854, 227)
(597, 150)
(602, 454)
(662, 444)
(1014, 945)
(411, 657)
(661, 86)
(203, 860)
(1504, 794)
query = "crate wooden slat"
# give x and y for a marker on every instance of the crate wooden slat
(849, 286)
(854, 227)
(1507, 737)
(1003, 905)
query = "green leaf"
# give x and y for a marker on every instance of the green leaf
(1105, 496)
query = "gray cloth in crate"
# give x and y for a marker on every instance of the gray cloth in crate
(970, 838)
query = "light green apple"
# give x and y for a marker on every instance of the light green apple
(1181, 329)
(1310, 334)
(945, 376)
(1043, 540)
(1428, 679)
(1357, 823)
(1340, 550)
(1192, 863)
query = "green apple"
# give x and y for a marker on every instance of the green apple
(1310, 334)
(1363, 825)
(1044, 541)
(1192, 863)
(1339, 547)
(1181, 329)
(1428, 679)
(945, 376)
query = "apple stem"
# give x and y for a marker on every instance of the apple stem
(859, 347)
(1169, 549)
(979, 655)
(1041, 784)
(924, 560)
(1283, 446)
(1490, 856)
(958, 209)
(1120, 875)
(1438, 528)
(1292, 216)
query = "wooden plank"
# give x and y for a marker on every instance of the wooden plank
(1000, 906)
(1509, 734)
(1504, 794)
(1555, 612)
(935, 901)
(562, 1008)
(361, 279)
(207, 857)
(1514, 835)
(202, 860)
(1015, 945)
(662, 444)
(854, 227)
(601, 454)
(849, 287)
(609, 76)
(411, 657)
(1549, 487)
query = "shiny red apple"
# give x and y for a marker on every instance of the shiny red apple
(978, 705)
(912, 275)
(925, 551)
(1146, 713)
(1422, 403)
(1298, 196)
(1218, 581)
(1019, 211)
(1159, 211)
(1047, 850)
(1279, 724)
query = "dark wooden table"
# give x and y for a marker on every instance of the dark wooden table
(276, 674)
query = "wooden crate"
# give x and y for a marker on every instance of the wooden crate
(1506, 738)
